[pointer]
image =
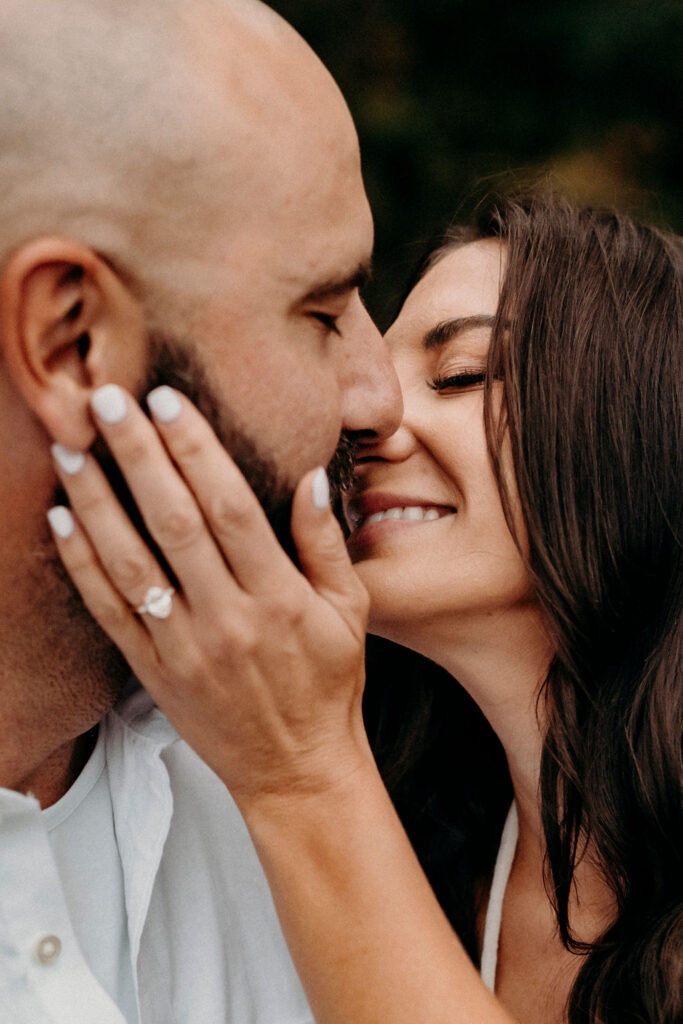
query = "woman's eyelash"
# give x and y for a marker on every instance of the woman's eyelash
(462, 380)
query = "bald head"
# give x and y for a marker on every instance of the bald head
(135, 126)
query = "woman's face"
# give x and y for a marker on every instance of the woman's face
(429, 538)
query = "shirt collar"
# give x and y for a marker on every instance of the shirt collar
(136, 735)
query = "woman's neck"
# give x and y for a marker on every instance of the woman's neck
(502, 662)
(503, 667)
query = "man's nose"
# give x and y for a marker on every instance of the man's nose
(372, 403)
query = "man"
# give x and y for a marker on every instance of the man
(181, 199)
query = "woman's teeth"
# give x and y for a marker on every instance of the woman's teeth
(413, 514)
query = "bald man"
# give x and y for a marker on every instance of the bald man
(181, 201)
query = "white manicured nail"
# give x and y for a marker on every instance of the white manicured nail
(71, 462)
(321, 489)
(61, 521)
(164, 404)
(109, 403)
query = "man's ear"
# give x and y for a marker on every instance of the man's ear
(68, 324)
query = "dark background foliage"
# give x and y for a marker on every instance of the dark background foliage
(454, 98)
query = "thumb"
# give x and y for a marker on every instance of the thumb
(319, 540)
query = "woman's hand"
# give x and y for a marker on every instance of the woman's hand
(258, 666)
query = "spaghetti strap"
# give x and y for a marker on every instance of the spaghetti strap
(494, 911)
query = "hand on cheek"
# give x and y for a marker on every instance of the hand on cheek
(257, 664)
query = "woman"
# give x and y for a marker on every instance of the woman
(522, 530)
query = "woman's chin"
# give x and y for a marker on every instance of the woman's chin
(393, 619)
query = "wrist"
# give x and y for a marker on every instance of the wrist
(324, 790)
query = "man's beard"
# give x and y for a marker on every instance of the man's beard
(74, 640)
(176, 362)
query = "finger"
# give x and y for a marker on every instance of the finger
(163, 498)
(113, 542)
(100, 597)
(321, 548)
(134, 637)
(234, 514)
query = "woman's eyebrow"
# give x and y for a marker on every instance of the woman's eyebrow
(448, 329)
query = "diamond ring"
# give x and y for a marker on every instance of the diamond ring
(157, 603)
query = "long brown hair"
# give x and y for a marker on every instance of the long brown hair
(589, 344)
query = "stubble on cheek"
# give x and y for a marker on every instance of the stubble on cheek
(69, 651)
(175, 362)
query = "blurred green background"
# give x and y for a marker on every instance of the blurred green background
(453, 99)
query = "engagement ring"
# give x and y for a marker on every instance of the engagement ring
(157, 603)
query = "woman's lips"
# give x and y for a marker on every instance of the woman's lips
(376, 514)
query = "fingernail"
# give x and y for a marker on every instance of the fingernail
(109, 403)
(164, 404)
(321, 489)
(61, 521)
(71, 462)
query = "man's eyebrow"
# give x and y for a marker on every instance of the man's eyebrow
(336, 286)
(445, 331)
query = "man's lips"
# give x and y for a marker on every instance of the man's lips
(367, 509)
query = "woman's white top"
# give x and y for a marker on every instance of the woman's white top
(494, 911)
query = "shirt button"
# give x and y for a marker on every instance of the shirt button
(48, 949)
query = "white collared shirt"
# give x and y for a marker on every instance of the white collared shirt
(197, 923)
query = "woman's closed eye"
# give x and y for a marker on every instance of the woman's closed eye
(464, 380)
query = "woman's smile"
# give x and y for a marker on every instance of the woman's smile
(373, 515)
